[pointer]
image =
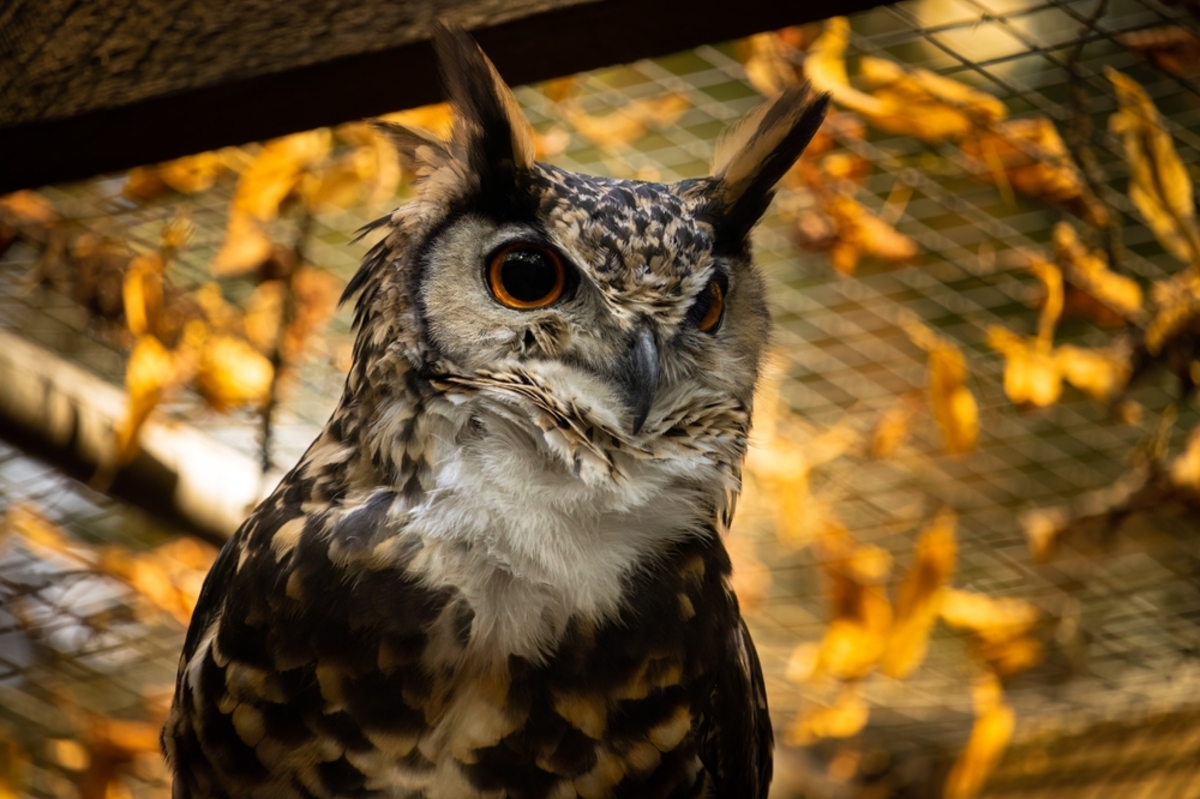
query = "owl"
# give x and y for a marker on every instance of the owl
(498, 571)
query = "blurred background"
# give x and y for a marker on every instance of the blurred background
(969, 544)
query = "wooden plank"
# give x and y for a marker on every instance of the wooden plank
(558, 42)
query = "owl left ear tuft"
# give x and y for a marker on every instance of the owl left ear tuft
(491, 136)
(754, 155)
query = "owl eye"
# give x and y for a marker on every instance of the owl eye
(709, 308)
(526, 276)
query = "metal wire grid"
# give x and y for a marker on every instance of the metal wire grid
(71, 643)
(847, 358)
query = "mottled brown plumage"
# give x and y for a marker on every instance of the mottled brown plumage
(498, 572)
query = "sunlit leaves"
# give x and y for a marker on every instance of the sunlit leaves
(1159, 184)
(919, 599)
(993, 729)
(954, 406)
(166, 580)
(912, 102)
(1091, 287)
(261, 190)
(1028, 156)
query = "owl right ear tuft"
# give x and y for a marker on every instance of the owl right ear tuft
(754, 155)
(492, 137)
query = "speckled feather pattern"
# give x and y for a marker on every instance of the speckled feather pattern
(479, 581)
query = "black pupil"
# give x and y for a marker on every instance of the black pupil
(528, 275)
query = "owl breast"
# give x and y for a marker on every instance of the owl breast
(511, 527)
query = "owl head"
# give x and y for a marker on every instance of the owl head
(612, 318)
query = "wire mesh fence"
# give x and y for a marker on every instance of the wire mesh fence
(1118, 607)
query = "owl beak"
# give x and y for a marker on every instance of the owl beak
(638, 376)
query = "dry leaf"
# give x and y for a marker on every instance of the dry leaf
(1173, 49)
(1159, 184)
(28, 208)
(1042, 527)
(927, 106)
(994, 723)
(861, 614)
(844, 718)
(142, 293)
(892, 428)
(232, 374)
(860, 233)
(151, 372)
(994, 619)
(192, 173)
(919, 600)
(954, 406)
(908, 102)
(1098, 373)
(1031, 371)
(1092, 286)
(437, 119)
(1185, 469)
(1178, 301)
(825, 68)
(768, 61)
(169, 577)
(338, 183)
(1029, 156)
(620, 127)
(263, 187)
(14, 765)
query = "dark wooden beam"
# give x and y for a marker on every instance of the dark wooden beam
(538, 47)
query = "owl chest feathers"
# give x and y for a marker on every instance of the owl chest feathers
(506, 525)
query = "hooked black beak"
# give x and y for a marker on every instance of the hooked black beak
(638, 376)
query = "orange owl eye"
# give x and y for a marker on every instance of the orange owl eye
(709, 309)
(526, 276)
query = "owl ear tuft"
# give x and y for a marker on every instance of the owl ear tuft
(752, 156)
(491, 136)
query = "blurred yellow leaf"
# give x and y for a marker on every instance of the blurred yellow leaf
(246, 245)
(892, 428)
(825, 68)
(994, 723)
(620, 127)
(192, 173)
(1159, 184)
(1086, 273)
(142, 293)
(152, 370)
(1042, 527)
(232, 374)
(913, 102)
(1029, 155)
(1052, 301)
(767, 59)
(1178, 301)
(45, 538)
(29, 207)
(994, 619)
(67, 753)
(437, 118)
(861, 233)
(271, 178)
(551, 143)
(861, 614)
(14, 765)
(954, 406)
(1031, 372)
(1185, 469)
(920, 596)
(177, 233)
(340, 182)
(1172, 48)
(169, 577)
(1098, 373)
(923, 104)
(844, 718)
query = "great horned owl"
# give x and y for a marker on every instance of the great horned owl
(498, 571)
